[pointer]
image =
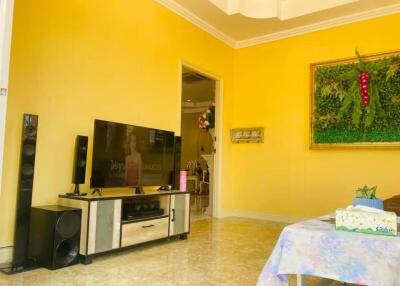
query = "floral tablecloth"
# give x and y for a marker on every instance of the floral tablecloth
(315, 248)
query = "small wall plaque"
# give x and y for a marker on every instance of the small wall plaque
(247, 135)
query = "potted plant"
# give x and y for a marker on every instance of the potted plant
(367, 197)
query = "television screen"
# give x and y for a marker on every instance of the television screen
(129, 156)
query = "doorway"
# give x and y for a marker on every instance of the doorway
(198, 125)
(6, 13)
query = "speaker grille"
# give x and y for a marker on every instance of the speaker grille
(177, 161)
(66, 253)
(68, 224)
(24, 199)
(80, 160)
(28, 150)
(30, 130)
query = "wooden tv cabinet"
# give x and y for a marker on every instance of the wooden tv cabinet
(104, 229)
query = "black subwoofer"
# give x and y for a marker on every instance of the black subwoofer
(55, 236)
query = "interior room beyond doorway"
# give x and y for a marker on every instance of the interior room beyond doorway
(197, 130)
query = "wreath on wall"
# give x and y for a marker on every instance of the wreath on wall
(358, 101)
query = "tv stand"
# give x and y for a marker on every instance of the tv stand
(76, 192)
(138, 190)
(104, 228)
(97, 191)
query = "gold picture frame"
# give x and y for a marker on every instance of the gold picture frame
(247, 135)
(363, 145)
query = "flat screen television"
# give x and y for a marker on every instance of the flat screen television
(131, 156)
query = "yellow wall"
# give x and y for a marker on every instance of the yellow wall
(74, 61)
(272, 89)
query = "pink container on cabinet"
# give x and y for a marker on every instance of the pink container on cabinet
(182, 181)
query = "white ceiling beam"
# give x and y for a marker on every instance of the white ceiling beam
(259, 8)
(282, 9)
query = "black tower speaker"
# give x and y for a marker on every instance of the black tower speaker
(177, 161)
(24, 197)
(79, 172)
(54, 238)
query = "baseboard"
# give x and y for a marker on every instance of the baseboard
(262, 216)
(6, 253)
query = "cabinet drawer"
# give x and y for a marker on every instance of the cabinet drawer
(134, 233)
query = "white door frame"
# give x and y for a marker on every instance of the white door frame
(6, 17)
(216, 188)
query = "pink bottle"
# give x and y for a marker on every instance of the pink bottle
(182, 181)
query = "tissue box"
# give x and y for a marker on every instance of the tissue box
(371, 222)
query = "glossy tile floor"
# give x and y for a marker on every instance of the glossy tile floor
(198, 207)
(229, 251)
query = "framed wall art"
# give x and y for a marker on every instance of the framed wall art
(355, 103)
(247, 135)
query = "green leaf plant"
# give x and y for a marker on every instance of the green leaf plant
(352, 98)
(366, 193)
(342, 113)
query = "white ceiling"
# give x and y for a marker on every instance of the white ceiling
(240, 31)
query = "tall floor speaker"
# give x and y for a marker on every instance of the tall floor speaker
(177, 161)
(55, 236)
(24, 197)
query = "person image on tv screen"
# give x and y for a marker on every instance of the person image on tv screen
(133, 162)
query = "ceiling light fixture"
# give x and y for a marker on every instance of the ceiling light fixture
(282, 9)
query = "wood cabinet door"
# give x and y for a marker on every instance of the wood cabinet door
(179, 214)
(104, 226)
(138, 232)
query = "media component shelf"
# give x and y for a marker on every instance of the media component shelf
(116, 221)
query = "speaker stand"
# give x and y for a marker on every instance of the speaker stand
(139, 190)
(76, 192)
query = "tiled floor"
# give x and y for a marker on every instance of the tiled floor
(218, 252)
(198, 207)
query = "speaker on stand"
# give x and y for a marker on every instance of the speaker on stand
(177, 161)
(79, 170)
(20, 260)
(55, 236)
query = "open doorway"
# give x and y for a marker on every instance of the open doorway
(6, 15)
(198, 139)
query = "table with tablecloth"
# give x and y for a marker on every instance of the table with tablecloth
(316, 248)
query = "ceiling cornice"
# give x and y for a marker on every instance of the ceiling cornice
(331, 23)
(192, 18)
(339, 21)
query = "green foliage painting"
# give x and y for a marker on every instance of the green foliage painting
(356, 102)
